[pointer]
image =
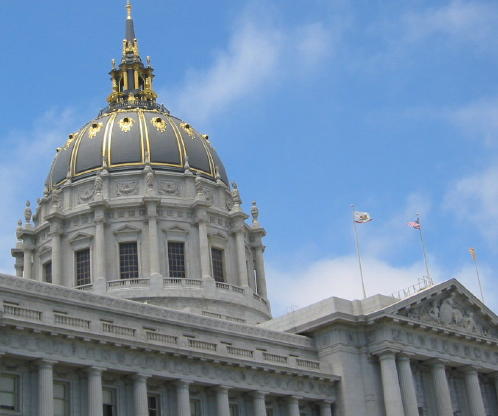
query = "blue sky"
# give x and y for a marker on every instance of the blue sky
(312, 105)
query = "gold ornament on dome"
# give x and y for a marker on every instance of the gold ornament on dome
(71, 138)
(159, 124)
(188, 128)
(94, 129)
(126, 124)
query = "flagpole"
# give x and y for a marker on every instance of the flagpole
(474, 258)
(422, 243)
(357, 245)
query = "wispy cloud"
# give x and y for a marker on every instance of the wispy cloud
(259, 53)
(474, 199)
(26, 153)
(472, 21)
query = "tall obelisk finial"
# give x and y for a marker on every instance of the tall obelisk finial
(128, 8)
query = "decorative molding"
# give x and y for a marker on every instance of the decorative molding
(126, 188)
(169, 188)
(59, 293)
(172, 366)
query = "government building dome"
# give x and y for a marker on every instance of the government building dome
(137, 205)
(130, 139)
(134, 131)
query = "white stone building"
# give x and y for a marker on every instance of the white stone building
(140, 291)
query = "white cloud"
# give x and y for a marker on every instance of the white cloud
(464, 20)
(24, 155)
(337, 277)
(474, 199)
(259, 53)
(340, 277)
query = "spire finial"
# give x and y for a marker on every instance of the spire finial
(128, 8)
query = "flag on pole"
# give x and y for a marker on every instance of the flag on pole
(415, 224)
(473, 254)
(362, 217)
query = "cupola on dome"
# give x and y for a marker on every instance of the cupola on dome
(134, 131)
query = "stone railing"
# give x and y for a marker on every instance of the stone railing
(233, 288)
(128, 283)
(181, 282)
(118, 330)
(238, 289)
(161, 338)
(27, 290)
(221, 285)
(314, 365)
(257, 297)
(202, 345)
(84, 287)
(17, 311)
(241, 352)
(275, 358)
(153, 337)
(71, 321)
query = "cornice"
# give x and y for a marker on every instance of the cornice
(127, 307)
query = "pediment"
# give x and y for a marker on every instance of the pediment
(127, 229)
(80, 236)
(449, 305)
(177, 229)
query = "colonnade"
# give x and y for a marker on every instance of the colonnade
(400, 398)
(140, 403)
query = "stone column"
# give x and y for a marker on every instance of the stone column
(474, 395)
(154, 263)
(259, 405)
(260, 271)
(99, 254)
(18, 268)
(182, 398)
(155, 267)
(441, 389)
(407, 383)
(45, 388)
(241, 257)
(222, 406)
(95, 404)
(204, 249)
(390, 383)
(325, 409)
(293, 406)
(27, 263)
(56, 259)
(140, 395)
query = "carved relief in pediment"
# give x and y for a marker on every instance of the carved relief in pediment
(452, 311)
